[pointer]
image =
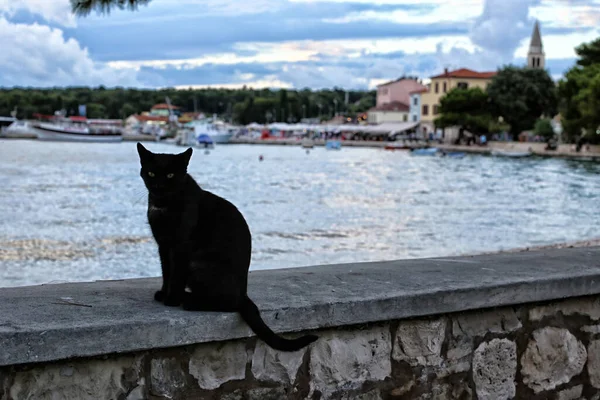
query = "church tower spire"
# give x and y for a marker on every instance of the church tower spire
(536, 57)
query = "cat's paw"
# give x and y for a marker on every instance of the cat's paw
(159, 295)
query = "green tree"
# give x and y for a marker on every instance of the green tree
(84, 7)
(95, 110)
(588, 53)
(120, 103)
(126, 110)
(521, 96)
(580, 96)
(543, 128)
(466, 108)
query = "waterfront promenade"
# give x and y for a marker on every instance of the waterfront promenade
(536, 148)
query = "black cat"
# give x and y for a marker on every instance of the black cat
(204, 245)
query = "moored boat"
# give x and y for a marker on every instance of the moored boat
(20, 128)
(307, 143)
(218, 131)
(69, 132)
(516, 154)
(396, 146)
(333, 145)
(430, 151)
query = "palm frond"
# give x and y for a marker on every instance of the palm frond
(85, 7)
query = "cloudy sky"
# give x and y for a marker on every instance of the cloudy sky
(281, 43)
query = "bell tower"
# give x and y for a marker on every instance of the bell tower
(536, 57)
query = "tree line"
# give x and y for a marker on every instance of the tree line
(242, 105)
(521, 98)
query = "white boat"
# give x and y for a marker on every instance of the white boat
(68, 132)
(516, 154)
(333, 145)
(5, 122)
(20, 128)
(218, 131)
(307, 143)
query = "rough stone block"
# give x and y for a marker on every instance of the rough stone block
(344, 360)
(461, 391)
(470, 325)
(399, 391)
(166, 377)
(593, 363)
(573, 393)
(419, 342)
(552, 358)
(276, 366)
(494, 369)
(277, 393)
(371, 395)
(138, 392)
(439, 391)
(582, 306)
(236, 395)
(591, 329)
(82, 380)
(479, 323)
(459, 349)
(216, 363)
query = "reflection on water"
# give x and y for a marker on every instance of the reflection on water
(73, 212)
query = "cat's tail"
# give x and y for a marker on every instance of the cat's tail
(251, 315)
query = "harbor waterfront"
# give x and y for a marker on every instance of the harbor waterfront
(77, 211)
(591, 152)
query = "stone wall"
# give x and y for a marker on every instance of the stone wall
(530, 351)
(497, 326)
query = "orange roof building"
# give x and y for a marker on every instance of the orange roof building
(164, 106)
(440, 84)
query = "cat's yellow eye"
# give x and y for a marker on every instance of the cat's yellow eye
(170, 175)
(151, 174)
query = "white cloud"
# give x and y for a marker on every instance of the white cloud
(567, 14)
(559, 46)
(56, 11)
(501, 27)
(268, 82)
(307, 50)
(442, 12)
(282, 52)
(385, 2)
(37, 55)
(499, 31)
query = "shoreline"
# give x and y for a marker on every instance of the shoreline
(536, 148)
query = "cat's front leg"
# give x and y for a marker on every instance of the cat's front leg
(177, 276)
(164, 251)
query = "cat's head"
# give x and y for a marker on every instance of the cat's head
(163, 174)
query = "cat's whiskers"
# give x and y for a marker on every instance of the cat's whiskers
(140, 194)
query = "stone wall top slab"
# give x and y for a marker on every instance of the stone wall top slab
(59, 321)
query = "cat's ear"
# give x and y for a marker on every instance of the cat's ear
(186, 155)
(142, 151)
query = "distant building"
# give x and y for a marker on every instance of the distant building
(415, 105)
(393, 99)
(536, 57)
(440, 84)
(162, 110)
(389, 112)
(397, 91)
(141, 119)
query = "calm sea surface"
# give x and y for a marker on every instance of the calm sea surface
(76, 212)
